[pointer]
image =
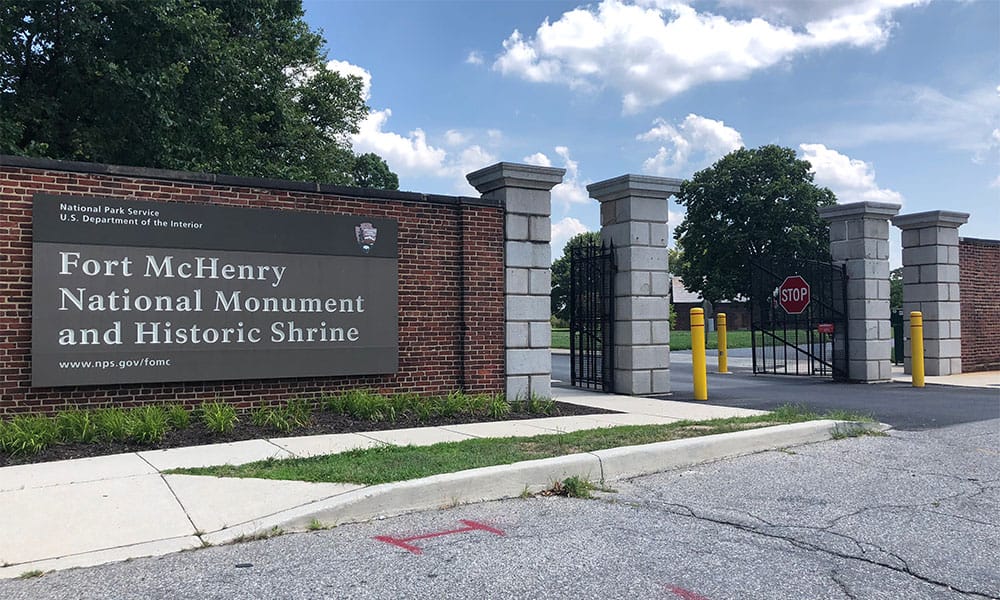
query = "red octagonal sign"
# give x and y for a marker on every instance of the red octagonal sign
(793, 294)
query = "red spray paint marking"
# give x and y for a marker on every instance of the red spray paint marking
(685, 594)
(402, 542)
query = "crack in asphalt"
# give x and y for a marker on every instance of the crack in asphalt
(686, 511)
(835, 576)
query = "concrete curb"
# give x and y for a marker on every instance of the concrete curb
(510, 481)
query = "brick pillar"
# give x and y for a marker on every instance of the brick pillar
(634, 219)
(859, 238)
(930, 285)
(525, 191)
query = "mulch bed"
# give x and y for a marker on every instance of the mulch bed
(323, 423)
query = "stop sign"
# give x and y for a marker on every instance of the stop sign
(793, 294)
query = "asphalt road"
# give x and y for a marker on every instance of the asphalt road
(912, 515)
(898, 404)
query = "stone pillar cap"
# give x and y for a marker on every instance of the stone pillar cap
(515, 175)
(866, 209)
(931, 218)
(627, 186)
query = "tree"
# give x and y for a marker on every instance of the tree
(896, 289)
(372, 172)
(560, 272)
(231, 86)
(751, 203)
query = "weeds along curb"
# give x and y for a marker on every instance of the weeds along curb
(511, 481)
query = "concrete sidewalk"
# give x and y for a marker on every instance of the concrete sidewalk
(91, 511)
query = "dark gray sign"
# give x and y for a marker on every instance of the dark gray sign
(131, 291)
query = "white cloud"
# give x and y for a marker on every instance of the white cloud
(695, 143)
(453, 137)
(572, 191)
(468, 160)
(404, 154)
(474, 58)
(802, 12)
(562, 231)
(850, 179)
(960, 120)
(650, 53)
(412, 155)
(346, 68)
(538, 159)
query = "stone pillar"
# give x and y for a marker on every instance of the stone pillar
(525, 191)
(930, 285)
(859, 238)
(634, 219)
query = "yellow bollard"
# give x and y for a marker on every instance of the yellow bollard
(917, 347)
(698, 353)
(720, 319)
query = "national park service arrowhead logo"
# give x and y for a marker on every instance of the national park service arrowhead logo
(366, 234)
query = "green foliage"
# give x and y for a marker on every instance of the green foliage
(498, 407)
(371, 171)
(296, 413)
(896, 289)
(77, 426)
(299, 412)
(751, 203)
(28, 435)
(218, 417)
(535, 405)
(560, 272)
(362, 404)
(371, 406)
(113, 425)
(271, 417)
(574, 487)
(31, 574)
(238, 87)
(178, 417)
(147, 424)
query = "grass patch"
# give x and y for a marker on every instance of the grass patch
(576, 487)
(560, 338)
(387, 464)
(31, 574)
(679, 340)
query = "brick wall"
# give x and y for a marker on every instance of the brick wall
(979, 266)
(451, 267)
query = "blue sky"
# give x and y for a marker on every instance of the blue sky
(890, 100)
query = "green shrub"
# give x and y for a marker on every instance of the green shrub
(299, 412)
(29, 435)
(77, 426)
(147, 424)
(535, 405)
(178, 417)
(368, 405)
(219, 417)
(498, 407)
(273, 418)
(113, 425)
(453, 404)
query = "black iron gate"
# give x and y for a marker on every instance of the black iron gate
(592, 317)
(798, 317)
